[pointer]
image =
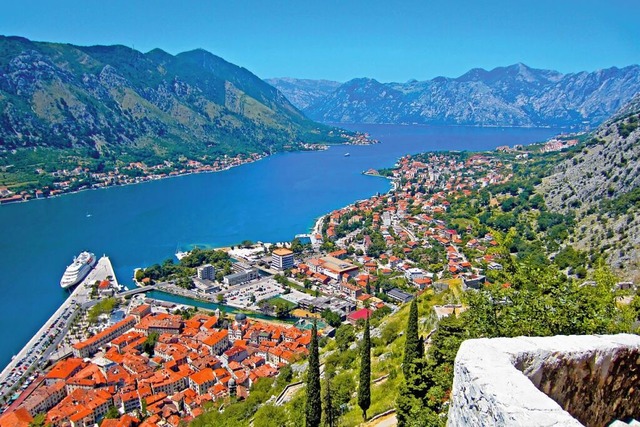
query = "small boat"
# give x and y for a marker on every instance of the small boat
(347, 154)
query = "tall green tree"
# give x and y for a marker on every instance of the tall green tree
(313, 410)
(330, 411)
(364, 389)
(413, 345)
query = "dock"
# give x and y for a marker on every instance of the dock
(41, 346)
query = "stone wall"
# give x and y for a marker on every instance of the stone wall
(549, 381)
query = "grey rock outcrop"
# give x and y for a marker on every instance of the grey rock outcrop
(303, 92)
(546, 381)
(603, 172)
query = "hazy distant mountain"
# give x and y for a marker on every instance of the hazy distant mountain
(303, 93)
(506, 96)
(112, 99)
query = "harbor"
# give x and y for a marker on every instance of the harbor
(42, 347)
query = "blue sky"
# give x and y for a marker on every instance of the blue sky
(340, 40)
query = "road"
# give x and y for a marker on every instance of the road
(386, 421)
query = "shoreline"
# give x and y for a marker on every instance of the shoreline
(261, 156)
(126, 184)
(36, 351)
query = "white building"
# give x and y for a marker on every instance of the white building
(282, 259)
(207, 272)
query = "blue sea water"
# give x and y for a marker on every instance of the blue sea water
(270, 200)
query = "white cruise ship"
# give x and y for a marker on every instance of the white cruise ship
(78, 270)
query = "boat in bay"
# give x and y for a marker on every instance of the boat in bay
(78, 270)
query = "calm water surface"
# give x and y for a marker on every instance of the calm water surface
(270, 200)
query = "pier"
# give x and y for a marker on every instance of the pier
(37, 352)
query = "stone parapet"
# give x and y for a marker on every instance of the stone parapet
(587, 380)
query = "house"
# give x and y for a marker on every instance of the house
(201, 381)
(474, 281)
(352, 291)
(414, 273)
(361, 314)
(399, 295)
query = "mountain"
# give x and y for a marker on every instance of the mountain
(111, 101)
(516, 95)
(600, 186)
(303, 93)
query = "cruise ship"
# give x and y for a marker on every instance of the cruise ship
(78, 270)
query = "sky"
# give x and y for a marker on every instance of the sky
(342, 39)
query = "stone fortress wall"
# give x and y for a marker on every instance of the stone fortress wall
(588, 380)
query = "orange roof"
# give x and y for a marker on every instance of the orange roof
(216, 337)
(282, 252)
(102, 334)
(202, 377)
(210, 323)
(65, 368)
(18, 418)
(140, 309)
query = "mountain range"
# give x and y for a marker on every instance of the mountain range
(516, 95)
(112, 100)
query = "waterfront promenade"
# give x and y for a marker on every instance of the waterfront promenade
(38, 350)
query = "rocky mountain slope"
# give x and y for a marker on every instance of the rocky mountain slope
(506, 96)
(601, 186)
(113, 98)
(303, 92)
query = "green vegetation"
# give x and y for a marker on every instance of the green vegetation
(626, 127)
(277, 307)
(622, 204)
(182, 272)
(413, 348)
(150, 343)
(364, 387)
(112, 413)
(104, 306)
(332, 318)
(39, 420)
(313, 408)
(125, 115)
(330, 413)
(238, 413)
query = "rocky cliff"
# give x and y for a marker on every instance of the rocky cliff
(303, 92)
(516, 95)
(601, 185)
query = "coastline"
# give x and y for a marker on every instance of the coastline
(253, 157)
(37, 349)
(151, 178)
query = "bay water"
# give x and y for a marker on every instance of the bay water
(270, 200)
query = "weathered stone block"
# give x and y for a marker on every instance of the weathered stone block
(546, 381)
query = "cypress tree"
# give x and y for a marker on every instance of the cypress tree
(330, 413)
(364, 390)
(313, 409)
(413, 344)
